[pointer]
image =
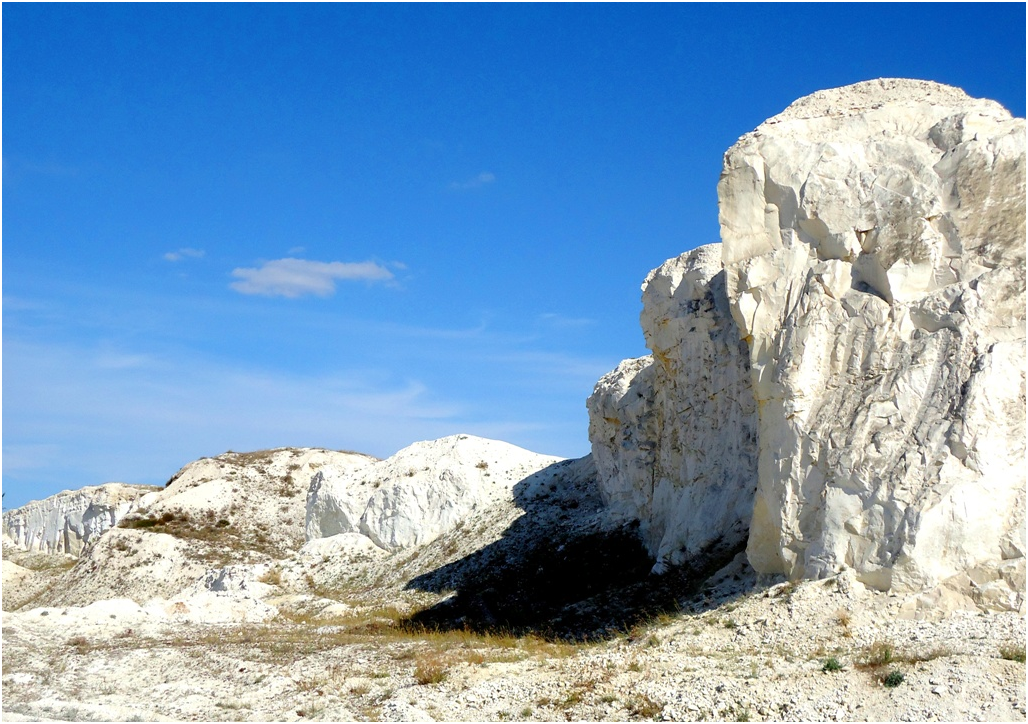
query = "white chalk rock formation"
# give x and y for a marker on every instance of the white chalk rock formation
(420, 492)
(674, 434)
(69, 521)
(235, 508)
(256, 498)
(874, 244)
(874, 266)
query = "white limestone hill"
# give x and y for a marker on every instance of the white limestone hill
(232, 508)
(463, 527)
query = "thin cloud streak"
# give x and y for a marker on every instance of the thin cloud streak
(184, 253)
(140, 423)
(483, 179)
(559, 321)
(292, 278)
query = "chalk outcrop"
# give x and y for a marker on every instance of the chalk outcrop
(420, 492)
(675, 432)
(874, 244)
(874, 264)
(235, 508)
(257, 498)
(69, 521)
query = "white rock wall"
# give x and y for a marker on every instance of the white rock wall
(69, 521)
(874, 244)
(674, 433)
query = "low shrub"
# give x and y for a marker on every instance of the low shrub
(892, 679)
(831, 665)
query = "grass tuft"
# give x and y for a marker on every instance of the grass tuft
(643, 707)
(430, 669)
(1011, 652)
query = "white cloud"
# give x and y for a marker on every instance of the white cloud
(482, 179)
(296, 277)
(184, 253)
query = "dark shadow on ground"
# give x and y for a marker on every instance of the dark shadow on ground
(560, 572)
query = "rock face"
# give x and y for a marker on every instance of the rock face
(420, 492)
(874, 244)
(69, 521)
(874, 264)
(674, 434)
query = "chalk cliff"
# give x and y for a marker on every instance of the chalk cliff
(69, 521)
(874, 265)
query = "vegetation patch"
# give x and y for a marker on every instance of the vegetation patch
(831, 665)
(430, 669)
(892, 679)
(223, 536)
(641, 706)
(1012, 652)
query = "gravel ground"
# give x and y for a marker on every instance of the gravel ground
(737, 652)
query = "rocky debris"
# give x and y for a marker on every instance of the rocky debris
(733, 651)
(27, 576)
(420, 492)
(69, 521)
(129, 563)
(874, 265)
(674, 433)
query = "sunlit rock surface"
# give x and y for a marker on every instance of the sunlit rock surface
(874, 244)
(420, 492)
(69, 521)
(874, 266)
(245, 507)
(674, 433)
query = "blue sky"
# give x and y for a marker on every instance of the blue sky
(358, 226)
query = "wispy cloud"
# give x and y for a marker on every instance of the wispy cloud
(298, 277)
(184, 253)
(77, 419)
(483, 179)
